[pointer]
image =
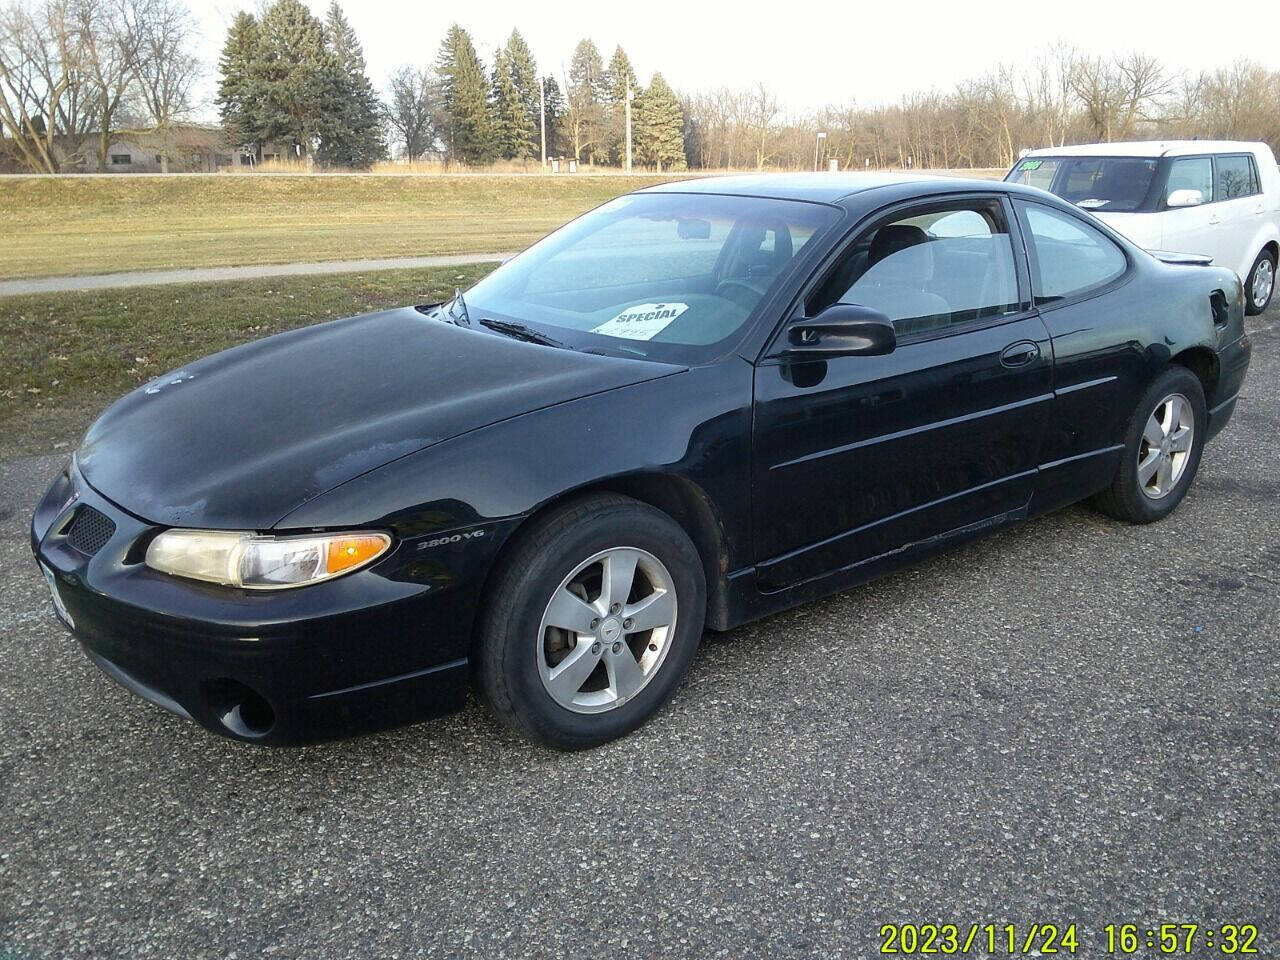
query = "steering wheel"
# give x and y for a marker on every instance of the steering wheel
(742, 292)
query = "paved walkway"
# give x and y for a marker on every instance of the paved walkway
(143, 278)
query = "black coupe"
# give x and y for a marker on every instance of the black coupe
(696, 405)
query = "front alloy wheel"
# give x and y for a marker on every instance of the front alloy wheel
(591, 619)
(606, 630)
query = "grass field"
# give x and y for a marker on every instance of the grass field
(62, 226)
(67, 355)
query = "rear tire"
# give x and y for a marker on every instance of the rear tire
(1163, 444)
(1260, 284)
(628, 586)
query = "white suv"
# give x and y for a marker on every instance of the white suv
(1218, 198)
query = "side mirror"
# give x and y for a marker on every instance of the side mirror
(1185, 198)
(842, 330)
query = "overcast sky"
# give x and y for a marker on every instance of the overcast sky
(810, 54)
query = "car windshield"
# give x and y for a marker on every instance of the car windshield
(671, 277)
(1106, 184)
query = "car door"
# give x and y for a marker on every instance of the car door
(1100, 366)
(1192, 229)
(856, 456)
(1239, 204)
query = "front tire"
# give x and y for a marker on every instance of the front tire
(1162, 449)
(591, 622)
(1260, 284)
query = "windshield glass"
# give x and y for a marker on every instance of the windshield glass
(664, 276)
(1107, 184)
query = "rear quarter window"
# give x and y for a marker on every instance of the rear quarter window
(1235, 176)
(1071, 258)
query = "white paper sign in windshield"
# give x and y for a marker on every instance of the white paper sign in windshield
(644, 321)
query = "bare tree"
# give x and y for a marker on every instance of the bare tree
(762, 116)
(44, 94)
(1118, 94)
(413, 112)
(166, 68)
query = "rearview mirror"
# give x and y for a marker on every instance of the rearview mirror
(1185, 198)
(694, 229)
(842, 330)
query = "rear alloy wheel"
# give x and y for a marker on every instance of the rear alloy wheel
(592, 619)
(1162, 450)
(1165, 449)
(1261, 283)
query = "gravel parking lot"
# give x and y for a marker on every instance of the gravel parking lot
(1073, 721)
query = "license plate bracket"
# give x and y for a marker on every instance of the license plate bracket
(59, 607)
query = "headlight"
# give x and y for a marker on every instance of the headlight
(262, 563)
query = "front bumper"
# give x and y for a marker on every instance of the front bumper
(382, 646)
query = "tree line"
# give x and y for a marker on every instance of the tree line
(77, 73)
(469, 113)
(1062, 97)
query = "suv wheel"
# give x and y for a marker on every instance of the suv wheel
(1261, 283)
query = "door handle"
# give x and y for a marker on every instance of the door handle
(1215, 220)
(1019, 354)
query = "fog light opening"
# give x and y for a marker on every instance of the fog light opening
(241, 709)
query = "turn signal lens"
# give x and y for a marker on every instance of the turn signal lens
(262, 563)
(346, 553)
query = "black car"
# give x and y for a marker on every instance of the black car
(696, 405)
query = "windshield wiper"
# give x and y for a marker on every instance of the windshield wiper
(519, 331)
(462, 319)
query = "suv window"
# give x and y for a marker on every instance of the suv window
(1036, 172)
(1071, 257)
(936, 268)
(1191, 173)
(1110, 184)
(1235, 177)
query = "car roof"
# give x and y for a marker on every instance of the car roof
(1148, 148)
(819, 187)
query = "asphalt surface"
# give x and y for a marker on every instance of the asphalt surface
(1073, 721)
(147, 278)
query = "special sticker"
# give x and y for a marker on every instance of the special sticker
(644, 321)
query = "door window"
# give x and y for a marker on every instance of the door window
(1235, 177)
(1071, 257)
(1191, 173)
(931, 270)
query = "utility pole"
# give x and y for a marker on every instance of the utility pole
(542, 119)
(630, 96)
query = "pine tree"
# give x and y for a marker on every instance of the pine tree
(555, 116)
(618, 78)
(524, 74)
(466, 98)
(351, 135)
(584, 119)
(295, 71)
(659, 127)
(510, 124)
(239, 90)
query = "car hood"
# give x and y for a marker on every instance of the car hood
(242, 438)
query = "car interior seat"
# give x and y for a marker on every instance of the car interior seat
(899, 270)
